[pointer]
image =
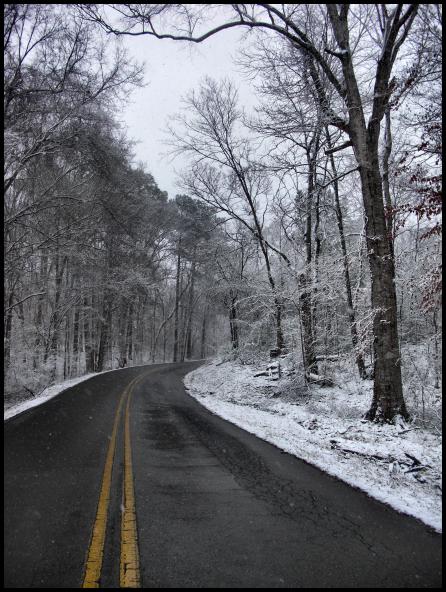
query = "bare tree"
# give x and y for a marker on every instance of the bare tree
(223, 172)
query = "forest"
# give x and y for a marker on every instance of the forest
(308, 227)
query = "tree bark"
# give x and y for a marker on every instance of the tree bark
(233, 322)
(388, 398)
(75, 344)
(190, 310)
(66, 361)
(386, 179)
(8, 329)
(203, 334)
(307, 304)
(129, 335)
(104, 329)
(40, 308)
(348, 287)
(177, 304)
(387, 401)
(308, 350)
(51, 350)
(89, 349)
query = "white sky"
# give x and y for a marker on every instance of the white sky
(172, 69)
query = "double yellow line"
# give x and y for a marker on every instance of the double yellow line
(129, 574)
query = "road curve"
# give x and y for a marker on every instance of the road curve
(193, 501)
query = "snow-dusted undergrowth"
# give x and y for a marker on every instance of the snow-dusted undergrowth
(324, 428)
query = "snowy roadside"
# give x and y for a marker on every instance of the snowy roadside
(11, 410)
(397, 464)
(46, 395)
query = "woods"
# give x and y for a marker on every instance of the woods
(308, 224)
(90, 239)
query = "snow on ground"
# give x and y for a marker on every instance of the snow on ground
(45, 395)
(397, 464)
(12, 407)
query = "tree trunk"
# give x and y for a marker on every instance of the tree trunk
(348, 287)
(8, 328)
(306, 297)
(129, 336)
(280, 342)
(105, 330)
(309, 354)
(190, 311)
(437, 359)
(140, 329)
(40, 308)
(233, 322)
(51, 351)
(177, 304)
(388, 398)
(313, 271)
(152, 329)
(317, 254)
(75, 343)
(203, 334)
(122, 343)
(386, 179)
(182, 338)
(89, 349)
(66, 360)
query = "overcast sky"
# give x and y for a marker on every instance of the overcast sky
(172, 69)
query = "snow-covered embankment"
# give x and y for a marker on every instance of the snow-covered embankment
(396, 464)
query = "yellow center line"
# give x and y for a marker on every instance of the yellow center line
(129, 564)
(96, 549)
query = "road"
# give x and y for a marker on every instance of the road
(175, 497)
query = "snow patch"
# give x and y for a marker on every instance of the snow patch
(399, 464)
(49, 393)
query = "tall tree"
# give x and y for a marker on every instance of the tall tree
(223, 172)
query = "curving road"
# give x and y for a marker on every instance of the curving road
(126, 481)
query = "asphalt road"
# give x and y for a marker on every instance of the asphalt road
(213, 505)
